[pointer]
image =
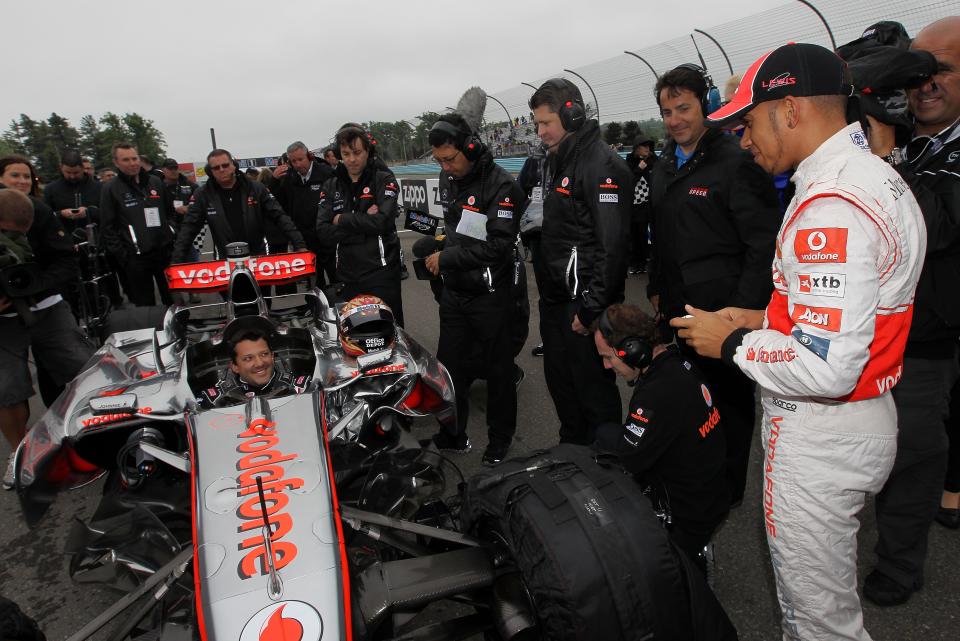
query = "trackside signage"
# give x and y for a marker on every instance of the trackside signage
(214, 276)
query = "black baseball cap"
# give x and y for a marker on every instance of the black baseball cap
(795, 69)
(170, 163)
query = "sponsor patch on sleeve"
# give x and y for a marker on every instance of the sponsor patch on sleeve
(821, 245)
(827, 318)
(820, 284)
(816, 344)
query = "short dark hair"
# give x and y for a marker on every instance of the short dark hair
(347, 134)
(628, 320)
(16, 208)
(219, 152)
(553, 93)
(439, 137)
(71, 158)
(249, 335)
(680, 78)
(328, 150)
(121, 145)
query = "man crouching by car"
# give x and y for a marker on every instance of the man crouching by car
(672, 439)
(33, 316)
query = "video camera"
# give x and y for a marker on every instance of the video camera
(18, 279)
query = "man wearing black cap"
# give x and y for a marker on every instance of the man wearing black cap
(829, 346)
(641, 161)
(714, 217)
(179, 190)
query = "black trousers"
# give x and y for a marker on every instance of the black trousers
(638, 239)
(909, 501)
(386, 288)
(584, 394)
(951, 482)
(141, 273)
(733, 394)
(485, 320)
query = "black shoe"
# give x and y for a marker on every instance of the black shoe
(404, 274)
(884, 591)
(948, 517)
(538, 350)
(445, 443)
(518, 376)
(495, 453)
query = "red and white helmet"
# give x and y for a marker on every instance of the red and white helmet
(366, 325)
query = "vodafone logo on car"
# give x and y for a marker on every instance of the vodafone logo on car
(216, 274)
(823, 245)
(827, 318)
(284, 621)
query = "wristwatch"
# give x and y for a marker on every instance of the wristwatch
(896, 157)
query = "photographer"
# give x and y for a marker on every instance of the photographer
(672, 439)
(74, 196)
(37, 318)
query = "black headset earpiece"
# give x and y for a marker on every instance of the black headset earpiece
(464, 139)
(634, 351)
(710, 101)
(572, 111)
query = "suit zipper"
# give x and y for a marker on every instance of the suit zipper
(383, 258)
(572, 271)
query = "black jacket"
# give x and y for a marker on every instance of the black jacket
(181, 191)
(257, 204)
(934, 177)
(367, 246)
(586, 225)
(714, 225)
(482, 262)
(63, 194)
(301, 201)
(672, 439)
(122, 207)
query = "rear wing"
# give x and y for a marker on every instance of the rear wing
(214, 276)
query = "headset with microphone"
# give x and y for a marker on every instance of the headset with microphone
(360, 131)
(463, 137)
(711, 100)
(634, 351)
(572, 112)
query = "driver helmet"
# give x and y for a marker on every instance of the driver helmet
(366, 325)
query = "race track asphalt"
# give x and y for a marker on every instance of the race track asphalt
(33, 567)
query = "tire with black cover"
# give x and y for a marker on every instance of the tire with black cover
(593, 555)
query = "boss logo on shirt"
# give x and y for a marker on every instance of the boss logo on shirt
(821, 245)
(833, 285)
(609, 198)
(827, 318)
(505, 213)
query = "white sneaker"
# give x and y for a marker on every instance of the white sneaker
(9, 477)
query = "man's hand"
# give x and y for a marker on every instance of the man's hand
(642, 164)
(336, 219)
(882, 138)
(578, 327)
(182, 209)
(744, 318)
(281, 171)
(71, 214)
(373, 210)
(432, 263)
(705, 331)
(4, 303)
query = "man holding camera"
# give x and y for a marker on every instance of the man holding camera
(481, 212)
(135, 217)
(582, 262)
(74, 196)
(672, 439)
(910, 498)
(34, 317)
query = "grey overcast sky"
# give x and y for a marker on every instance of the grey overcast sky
(265, 73)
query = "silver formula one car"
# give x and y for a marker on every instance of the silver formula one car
(311, 512)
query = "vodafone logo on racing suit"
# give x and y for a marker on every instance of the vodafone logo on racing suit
(823, 245)
(284, 621)
(762, 355)
(827, 318)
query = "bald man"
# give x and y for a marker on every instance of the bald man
(911, 497)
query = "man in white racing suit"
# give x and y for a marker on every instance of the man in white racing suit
(829, 346)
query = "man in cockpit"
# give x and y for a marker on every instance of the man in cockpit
(253, 371)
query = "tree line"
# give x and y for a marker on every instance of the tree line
(42, 141)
